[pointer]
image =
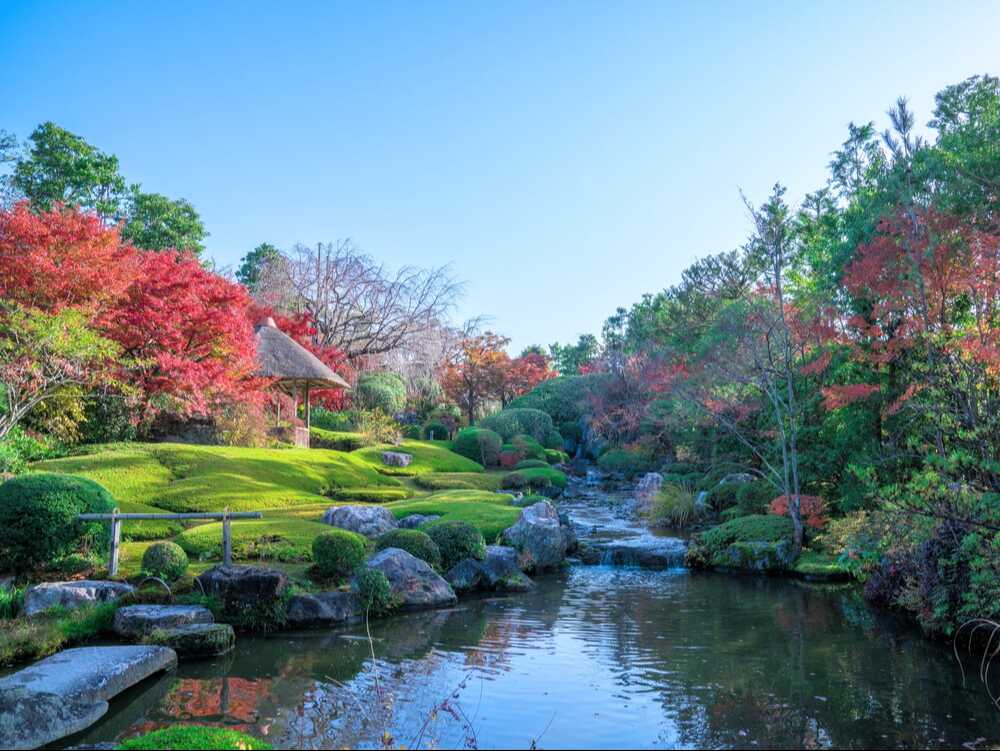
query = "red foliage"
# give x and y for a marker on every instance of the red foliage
(812, 508)
(510, 458)
(835, 397)
(61, 259)
(185, 334)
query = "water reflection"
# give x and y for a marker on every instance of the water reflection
(600, 657)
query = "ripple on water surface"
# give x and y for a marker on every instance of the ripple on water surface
(597, 657)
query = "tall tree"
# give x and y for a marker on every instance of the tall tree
(474, 374)
(254, 263)
(156, 222)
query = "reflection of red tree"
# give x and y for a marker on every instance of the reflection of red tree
(232, 702)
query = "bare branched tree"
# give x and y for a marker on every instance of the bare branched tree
(358, 304)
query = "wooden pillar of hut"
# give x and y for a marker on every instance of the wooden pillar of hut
(305, 398)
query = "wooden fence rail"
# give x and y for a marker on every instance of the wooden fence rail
(116, 518)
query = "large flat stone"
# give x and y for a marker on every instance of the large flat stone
(80, 681)
(135, 621)
(72, 594)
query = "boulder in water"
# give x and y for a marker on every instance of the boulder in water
(135, 621)
(538, 537)
(323, 609)
(414, 584)
(196, 639)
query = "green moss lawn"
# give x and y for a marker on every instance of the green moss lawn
(291, 487)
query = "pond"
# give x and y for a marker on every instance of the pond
(600, 656)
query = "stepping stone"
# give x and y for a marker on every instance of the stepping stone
(135, 621)
(72, 595)
(69, 691)
(196, 639)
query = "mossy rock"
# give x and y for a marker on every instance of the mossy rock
(184, 737)
(196, 640)
(757, 555)
(818, 567)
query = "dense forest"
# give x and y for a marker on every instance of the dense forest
(847, 356)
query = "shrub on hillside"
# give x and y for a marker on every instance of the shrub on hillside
(509, 458)
(527, 447)
(531, 464)
(382, 391)
(674, 506)
(373, 591)
(370, 494)
(321, 438)
(38, 519)
(562, 398)
(338, 422)
(19, 448)
(413, 541)
(554, 440)
(478, 444)
(627, 463)
(571, 432)
(166, 560)
(513, 481)
(338, 552)
(436, 431)
(556, 457)
(377, 427)
(457, 541)
(511, 422)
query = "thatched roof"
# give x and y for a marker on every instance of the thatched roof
(279, 356)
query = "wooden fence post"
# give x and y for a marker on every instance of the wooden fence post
(116, 540)
(227, 540)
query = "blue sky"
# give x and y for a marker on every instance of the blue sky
(563, 157)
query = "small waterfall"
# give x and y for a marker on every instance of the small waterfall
(699, 500)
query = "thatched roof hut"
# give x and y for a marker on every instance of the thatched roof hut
(295, 368)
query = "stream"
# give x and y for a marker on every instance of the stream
(598, 656)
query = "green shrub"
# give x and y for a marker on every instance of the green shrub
(384, 391)
(457, 541)
(412, 432)
(377, 427)
(527, 447)
(628, 463)
(187, 737)
(556, 457)
(754, 528)
(11, 601)
(373, 591)
(367, 494)
(562, 398)
(337, 422)
(513, 481)
(554, 440)
(478, 444)
(512, 422)
(413, 541)
(530, 464)
(542, 477)
(436, 431)
(320, 438)
(754, 497)
(674, 505)
(571, 431)
(457, 481)
(18, 449)
(166, 560)
(38, 524)
(338, 552)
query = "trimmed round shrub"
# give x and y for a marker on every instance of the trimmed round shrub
(436, 431)
(412, 432)
(413, 541)
(512, 422)
(38, 524)
(338, 552)
(373, 590)
(457, 541)
(382, 391)
(513, 481)
(527, 447)
(478, 444)
(625, 462)
(166, 560)
(556, 457)
(531, 463)
(553, 440)
(571, 431)
(190, 737)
